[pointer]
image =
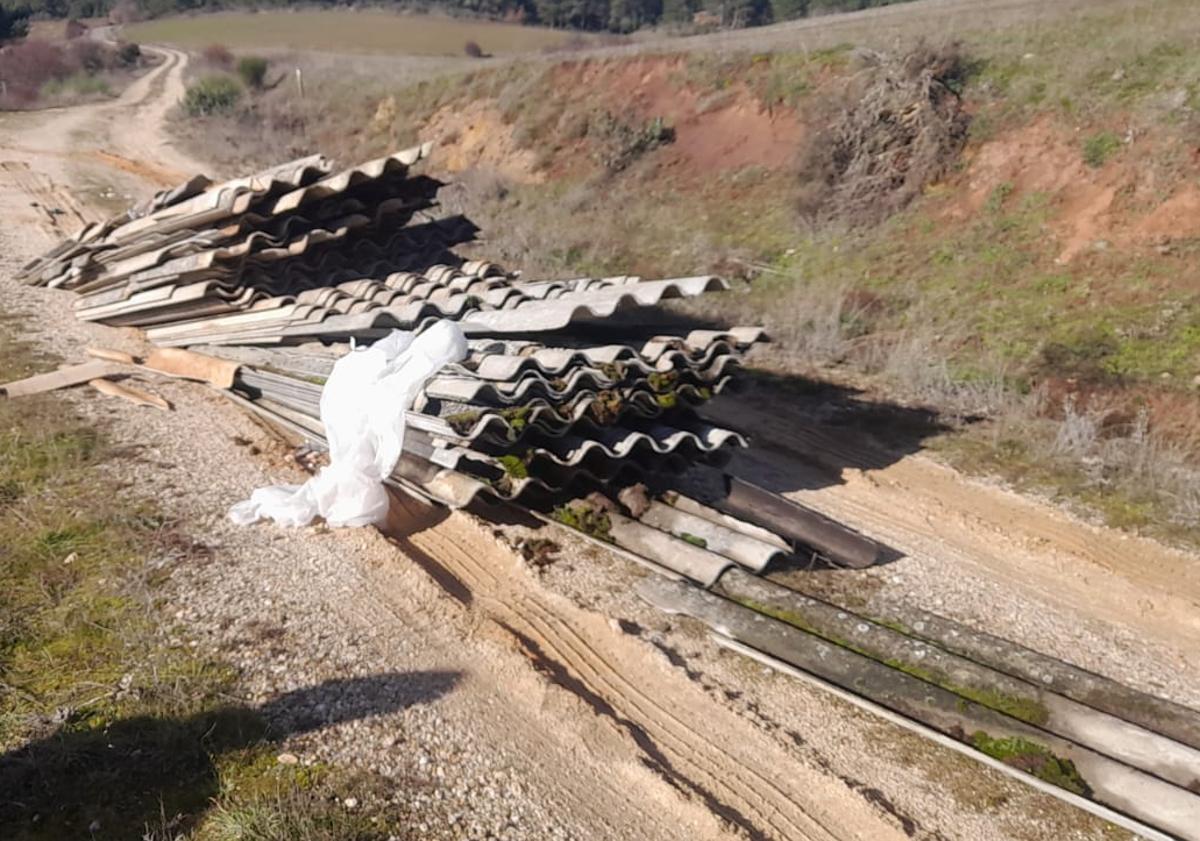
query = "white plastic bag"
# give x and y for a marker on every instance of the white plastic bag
(362, 407)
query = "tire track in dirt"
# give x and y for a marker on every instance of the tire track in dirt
(704, 752)
(58, 213)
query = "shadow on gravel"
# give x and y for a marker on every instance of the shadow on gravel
(113, 781)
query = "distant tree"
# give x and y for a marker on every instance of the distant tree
(788, 9)
(14, 23)
(89, 56)
(74, 29)
(551, 12)
(126, 11)
(739, 13)
(628, 15)
(679, 11)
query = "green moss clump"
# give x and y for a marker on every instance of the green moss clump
(667, 401)
(1024, 709)
(1032, 758)
(694, 540)
(517, 417)
(790, 617)
(612, 370)
(585, 518)
(514, 466)
(662, 381)
(892, 624)
(606, 408)
(463, 422)
(911, 670)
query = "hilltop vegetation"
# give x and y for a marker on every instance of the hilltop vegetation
(588, 15)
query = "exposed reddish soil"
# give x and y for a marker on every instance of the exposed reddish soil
(1118, 203)
(475, 136)
(719, 131)
(1177, 217)
(722, 130)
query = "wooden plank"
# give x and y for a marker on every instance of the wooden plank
(190, 365)
(63, 378)
(133, 395)
(111, 355)
(1152, 712)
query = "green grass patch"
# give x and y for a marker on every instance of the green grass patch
(1098, 148)
(214, 94)
(81, 84)
(514, 466)
(109, 729)
(585, 518)
(1032, 758)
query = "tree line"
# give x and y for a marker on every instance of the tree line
(585, 15)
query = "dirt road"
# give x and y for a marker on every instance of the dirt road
(576, 711)
(62, 167)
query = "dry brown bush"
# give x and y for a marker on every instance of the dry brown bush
(26, 66)
(217, 55)
(893, 127)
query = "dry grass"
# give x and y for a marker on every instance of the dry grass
(347, 31)
(111, 725)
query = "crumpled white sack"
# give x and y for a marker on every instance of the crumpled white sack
(362, 407)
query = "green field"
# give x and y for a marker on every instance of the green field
(345, 32)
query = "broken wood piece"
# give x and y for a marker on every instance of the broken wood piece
(133, 395)
(112, 355)
(63, 378)
(192, 366)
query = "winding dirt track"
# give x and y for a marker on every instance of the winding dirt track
(611, 739)
(62, 167)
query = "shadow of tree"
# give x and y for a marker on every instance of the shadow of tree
(96, 782)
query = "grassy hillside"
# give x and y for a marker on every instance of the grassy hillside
(1005, 228)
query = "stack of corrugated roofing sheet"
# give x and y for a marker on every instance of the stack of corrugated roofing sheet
(535, 414)
(298, 252)
(559, 430)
